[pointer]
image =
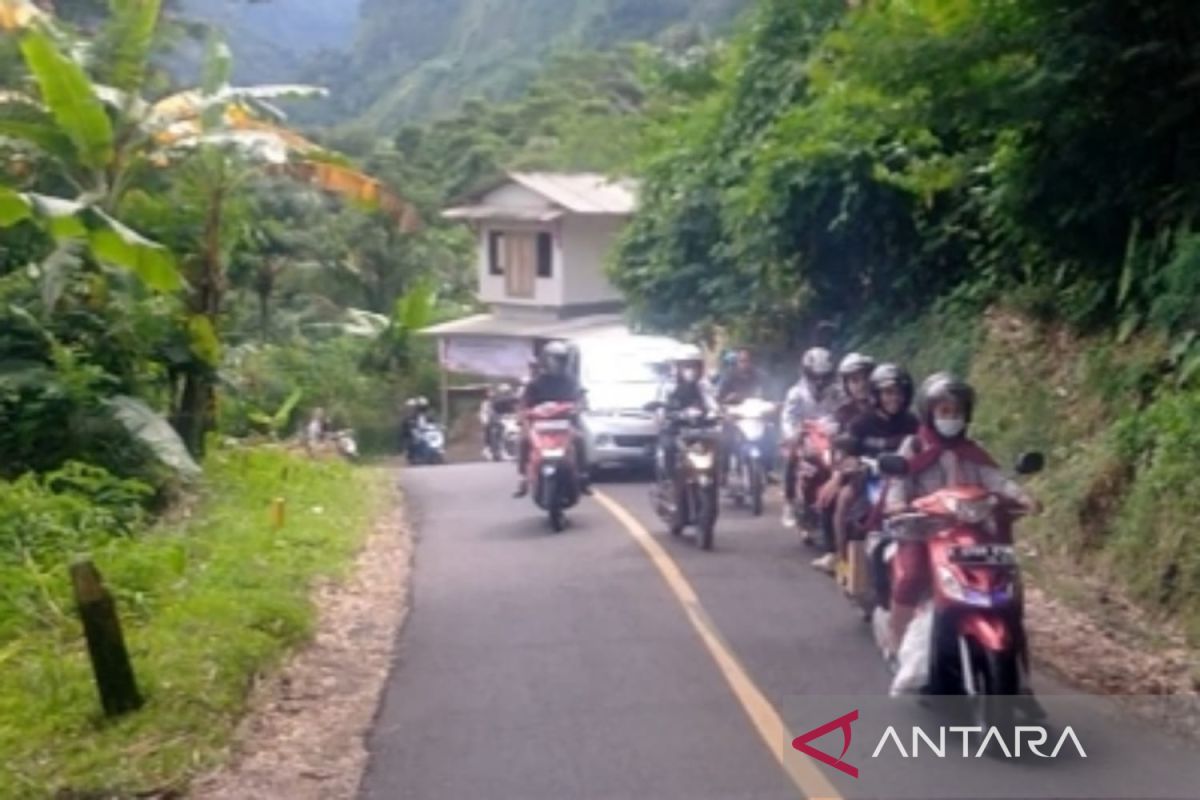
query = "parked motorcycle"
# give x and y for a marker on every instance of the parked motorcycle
(346, 443)
(427, 443)
(750, 421)
(553, 467)
(691, 499)
(978, 645)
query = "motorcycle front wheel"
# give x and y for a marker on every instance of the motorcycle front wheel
(996, 683)
(706, 517)
(755, 482)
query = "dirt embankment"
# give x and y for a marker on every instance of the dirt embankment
(304, 735)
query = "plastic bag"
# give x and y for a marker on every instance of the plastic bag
(913, 672)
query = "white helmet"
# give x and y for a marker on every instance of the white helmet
(817, 363)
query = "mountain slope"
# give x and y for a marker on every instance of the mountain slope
(421, 57)
(273, 40)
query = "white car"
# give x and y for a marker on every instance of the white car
(621, 374)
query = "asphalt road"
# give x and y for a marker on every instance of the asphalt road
(581, 665)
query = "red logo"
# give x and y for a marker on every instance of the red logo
(801, 743)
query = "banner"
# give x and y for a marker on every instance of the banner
(492, 357)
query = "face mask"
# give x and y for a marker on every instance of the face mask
(690, 375)
(950, 427)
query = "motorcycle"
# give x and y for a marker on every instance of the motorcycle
(978, 646)
(553, 467)
(747, 474)
(814, 448)
(510, 437)
(347, 445)
(691, 498)
(427, 443)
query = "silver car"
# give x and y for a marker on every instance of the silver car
(621, 375)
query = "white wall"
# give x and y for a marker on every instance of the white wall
(587, 242)
(514, 195)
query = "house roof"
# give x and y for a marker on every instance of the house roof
(576, 193)
(515, 327)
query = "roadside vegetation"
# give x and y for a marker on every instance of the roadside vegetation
(209, 599)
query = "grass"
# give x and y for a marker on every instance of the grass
(207, 604)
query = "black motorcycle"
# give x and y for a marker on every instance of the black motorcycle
(691, 498)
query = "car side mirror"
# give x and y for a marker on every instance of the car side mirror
(892, 465)
(1030, 463)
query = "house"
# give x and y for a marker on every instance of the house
(543, 239)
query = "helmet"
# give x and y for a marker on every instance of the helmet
(886, 375)
(939, 386)
(689, 358)
(817, 363)
(554, 358)
(855, 362)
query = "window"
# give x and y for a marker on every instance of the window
(495, 248)
(545, 255)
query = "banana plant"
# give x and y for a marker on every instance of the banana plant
(276, 423)
(63, 119)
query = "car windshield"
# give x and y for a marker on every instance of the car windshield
(616, 368)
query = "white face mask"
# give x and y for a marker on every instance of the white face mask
(950, 426)
(690, 374)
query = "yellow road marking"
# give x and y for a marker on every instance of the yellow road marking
(770, 726)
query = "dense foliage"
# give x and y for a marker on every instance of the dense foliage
(863, 162)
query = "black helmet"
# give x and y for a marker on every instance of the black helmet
(939, 386)
(892, 375)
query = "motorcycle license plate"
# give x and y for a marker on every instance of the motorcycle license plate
(551, 425)
(987, 554)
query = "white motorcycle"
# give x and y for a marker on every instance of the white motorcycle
(751, 420)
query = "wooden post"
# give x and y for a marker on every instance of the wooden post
(106, 644)
(278, 512)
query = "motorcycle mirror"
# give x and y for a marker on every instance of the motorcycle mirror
(892, 465)
(1030, 463)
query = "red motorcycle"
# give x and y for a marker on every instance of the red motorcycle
(553, 472)
(978, 643)
(814, 449)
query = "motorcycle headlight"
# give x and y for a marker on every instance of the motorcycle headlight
(951, 585)
(700, 458)
(955, 590)
(972, 512)
(752, 429)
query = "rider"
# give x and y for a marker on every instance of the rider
(553, 384)
(689, 390)
(813, 397)
(854, 373)
(742, 380)
(414, 410)
(500, 402)
(880, 430)
(940, 454)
